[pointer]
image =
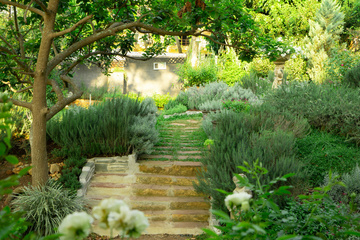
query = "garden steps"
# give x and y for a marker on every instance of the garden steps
(163, 190)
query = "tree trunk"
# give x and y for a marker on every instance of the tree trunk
(39, 107)
(178, 44)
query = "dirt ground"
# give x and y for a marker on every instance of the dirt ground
(149, 237)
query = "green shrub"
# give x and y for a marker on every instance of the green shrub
(46, 206)
(116, 126)
(71, 172)
(339, 63)
(177, 109)
(350, 193)
(257, 85)
(236, 140)
(205, 72)
(321, 152)
(161, 100)
(327, 108)
(237, 105)
(171, 104)
(262, 67)
(352, 77)
(230, 68)
(295, 69)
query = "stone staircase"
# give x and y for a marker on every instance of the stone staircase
(163, 190)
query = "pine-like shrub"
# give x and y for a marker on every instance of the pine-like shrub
(116, 126)
(327, 108)
(256, 84)
(46, 206)
(237, 138)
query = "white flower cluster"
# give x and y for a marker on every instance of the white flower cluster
(282, 50)
(237, 200)
(110, 213)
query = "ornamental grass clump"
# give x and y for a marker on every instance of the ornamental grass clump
(44, 207)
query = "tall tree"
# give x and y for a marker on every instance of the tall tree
(43, 40)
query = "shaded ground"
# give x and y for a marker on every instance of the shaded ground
(149, 237)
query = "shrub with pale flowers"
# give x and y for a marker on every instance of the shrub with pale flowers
(237, 200)
(110, 213)
(280, 48)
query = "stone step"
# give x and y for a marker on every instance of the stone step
(142, 178)
(175, 168)
(118, 189)
(178, 215)
(183, 228)
(156, 203)
(171, 157)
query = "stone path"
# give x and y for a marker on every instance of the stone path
(160, 184)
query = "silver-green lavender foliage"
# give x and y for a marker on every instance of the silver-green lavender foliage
(211, 105)
(193, 97)
(142, 131)
(46, 206)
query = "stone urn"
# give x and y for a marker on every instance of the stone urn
(279, 70)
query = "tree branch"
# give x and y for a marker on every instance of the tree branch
(19, 5)
(20, 103)
(55, 86)
(43, 7)
(60, 104)
(8, 44)
(19, 36)
(82, 21)
(20, 63)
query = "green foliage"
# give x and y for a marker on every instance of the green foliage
(295, 69)
(321, 152)
(326, 108)
(115, 126)
(352, 77)
(313, 217)
(204, 72)
(177, 109)
(46, 206)
(211, 105)
(262, 67)
(230, 68)
(240, 137)
(237, 105)
(161, 100)
(350, 193)
(71, 172)
(338, 64)
(171, 104)
(257, 85)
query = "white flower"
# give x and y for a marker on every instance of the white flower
(106, 206)
(137, 224)
(288, 51)
(236, 199)
(283, 55)
(293, 56)
(120, 218)
(280, 49)
(75, 226)
(279, 39)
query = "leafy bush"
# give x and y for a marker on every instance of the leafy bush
(352, 77)
(177, 109)
(262, 67)
(211, 105)
(237, 105)
(240, 137)
(71, 172)
(46, 206)
(115, 126)
(350, 193)
(205, 72)
(230, 68)
(326, 108)
(338, 64)
(171, 104)
(321, 152)
(295, 69)
(257, 85)
(161, 100)
(257, 216)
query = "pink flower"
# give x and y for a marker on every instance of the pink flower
(342, 65)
